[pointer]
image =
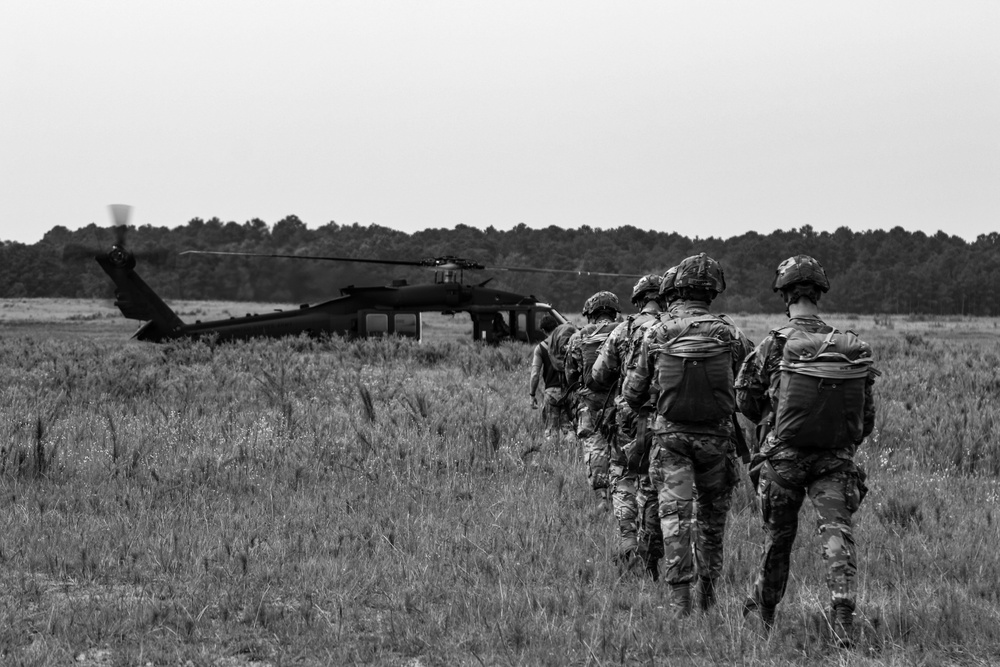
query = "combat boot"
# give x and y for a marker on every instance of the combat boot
(766, 613)
(653, 569)
(842, 621)
(628, 562)
(706, 593)
(680, 600)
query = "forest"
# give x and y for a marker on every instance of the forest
(871, 272)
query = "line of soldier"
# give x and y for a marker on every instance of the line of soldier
(656, 397)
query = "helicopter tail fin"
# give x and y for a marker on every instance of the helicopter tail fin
(137, 300)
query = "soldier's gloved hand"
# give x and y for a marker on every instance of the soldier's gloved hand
(534, 402)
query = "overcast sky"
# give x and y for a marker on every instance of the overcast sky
(708, 118)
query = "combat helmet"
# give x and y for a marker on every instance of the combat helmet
(800, 269)
(668, 292)
(702, 272)
(599, 301)
(648, 283)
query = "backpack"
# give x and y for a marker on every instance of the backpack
(821, 389)
(694, 369)
(557, 341)
(590, 345)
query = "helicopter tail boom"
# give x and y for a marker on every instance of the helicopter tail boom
(137, 300)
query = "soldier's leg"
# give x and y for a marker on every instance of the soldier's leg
(836, 499)
(780, 501)
(672, 471)
(650, 534)
(595, 452)
(623, 497)
(551, 411)
(715, 478)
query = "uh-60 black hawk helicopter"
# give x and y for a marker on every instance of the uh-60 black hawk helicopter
(358, 311)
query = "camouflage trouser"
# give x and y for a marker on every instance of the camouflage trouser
(635, 505)
(633, 495)
(590, 429)
(836, 498)
(683, 465)
(555, 411)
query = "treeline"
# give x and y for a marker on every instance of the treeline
(891, 272)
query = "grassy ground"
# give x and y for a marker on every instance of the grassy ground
(389, 502)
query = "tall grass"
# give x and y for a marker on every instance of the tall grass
(384, 501)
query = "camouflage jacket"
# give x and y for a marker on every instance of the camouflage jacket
(639, 387)
(616, 352)
(574, 368)
(757, 389)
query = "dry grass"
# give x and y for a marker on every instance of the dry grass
(388, 502)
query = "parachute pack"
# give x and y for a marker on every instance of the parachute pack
(694, 370)
(821, 390)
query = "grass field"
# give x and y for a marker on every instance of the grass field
(390, 502)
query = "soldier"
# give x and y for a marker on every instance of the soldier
(594, 420)
(686, 366)
(805, 449)
(639, 540)
(552, 382)
(557, 343)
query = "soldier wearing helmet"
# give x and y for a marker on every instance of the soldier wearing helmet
(787, 469)
(800, 277)
(685, 368)
(632, 495)
(594, 406)
(668, 290)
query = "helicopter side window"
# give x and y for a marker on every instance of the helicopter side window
(377, 323)
(405, 324)
(522, 326)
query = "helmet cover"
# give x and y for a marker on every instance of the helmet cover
(599, 301)
(700, 271)
(800, 269)
(667, 289)
(648, 283)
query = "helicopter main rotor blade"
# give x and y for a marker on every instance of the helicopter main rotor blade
(329, 259)
(447, 262)
(573, 272)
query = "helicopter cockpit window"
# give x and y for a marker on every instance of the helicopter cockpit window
(405, 323)
(377, 323)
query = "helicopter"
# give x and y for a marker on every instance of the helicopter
(382, 310)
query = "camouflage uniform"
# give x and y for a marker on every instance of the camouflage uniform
(594, 409)
(633, 494)
(830, 478)
(691, 464)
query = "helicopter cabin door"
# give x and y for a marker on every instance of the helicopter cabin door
(389, 322)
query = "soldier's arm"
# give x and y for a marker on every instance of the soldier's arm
(635, 389)
(604, 373)
(574, 361)
(536, 370)
(752, 383)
